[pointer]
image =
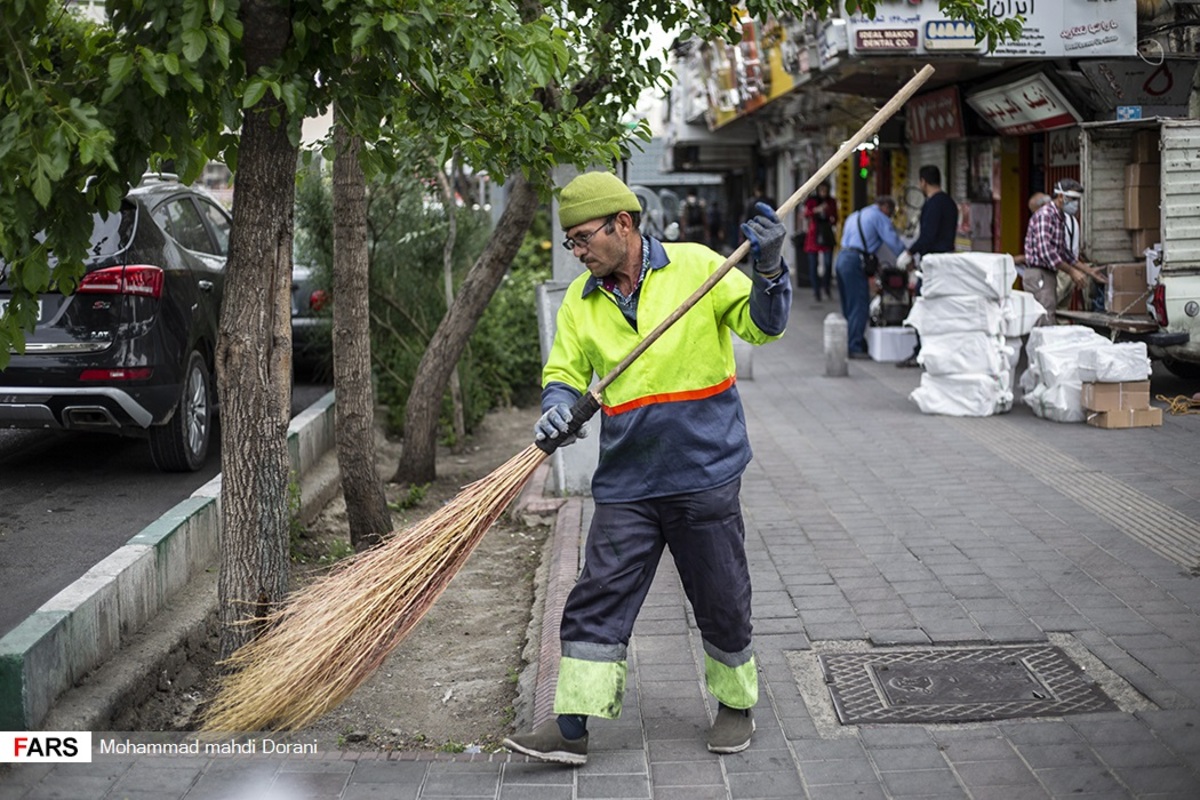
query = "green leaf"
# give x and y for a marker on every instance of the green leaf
(256, 89)
(194, 44)
(120, 67)
(193, 79)
(220, 38)
(41, 188)
(156, 80)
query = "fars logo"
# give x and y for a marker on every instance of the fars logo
(27, 747)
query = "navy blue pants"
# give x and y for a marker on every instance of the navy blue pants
(854, 291)
(706, 536)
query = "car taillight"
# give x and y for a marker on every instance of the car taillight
(136, 279)
(129, 374)
(1158, 305)
(318, 299)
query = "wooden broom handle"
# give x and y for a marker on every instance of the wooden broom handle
(865, 132)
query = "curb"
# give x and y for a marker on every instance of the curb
(158, 581)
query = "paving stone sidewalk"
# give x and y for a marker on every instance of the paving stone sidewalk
(871, 529)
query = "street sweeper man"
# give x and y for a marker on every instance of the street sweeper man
(673, 447)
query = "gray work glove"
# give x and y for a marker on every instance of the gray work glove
(553, 424)
(766, 234)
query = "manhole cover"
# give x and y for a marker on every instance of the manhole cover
(958, 685)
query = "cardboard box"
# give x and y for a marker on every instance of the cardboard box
(1144, 239)
(1128, 304)
(1141, 207)
(1142, 173)
(1145, 147)
(1116, 396)
(1128, 276)
(1126, 418)
(891, 344)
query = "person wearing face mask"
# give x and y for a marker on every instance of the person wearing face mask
(1048, 251)
(1065, 284)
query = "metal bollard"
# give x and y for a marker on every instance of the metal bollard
(836, 344)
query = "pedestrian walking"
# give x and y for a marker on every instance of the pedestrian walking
(820, 214)
(863, 233)
(693, 219)
(673, 447)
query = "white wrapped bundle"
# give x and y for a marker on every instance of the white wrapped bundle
(989, 275)
(1012, 355)
(1061, 402)
(955, 314)
(955, 353)
(1070, 338)
(964, 395)
(1114, 363)
(1021, 311)
(1058, 365)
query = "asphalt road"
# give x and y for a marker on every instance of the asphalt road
(70, 499)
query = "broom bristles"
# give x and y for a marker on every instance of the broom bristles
(331, 635)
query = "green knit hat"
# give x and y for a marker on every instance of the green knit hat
(593, 195)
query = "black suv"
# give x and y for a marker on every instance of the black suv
(131, 352)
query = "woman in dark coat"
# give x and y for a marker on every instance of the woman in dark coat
(820, 212)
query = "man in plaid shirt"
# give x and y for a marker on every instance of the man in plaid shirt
(1048, 252)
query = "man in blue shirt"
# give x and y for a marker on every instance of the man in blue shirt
(864, 231)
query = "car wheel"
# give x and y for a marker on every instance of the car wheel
(1182, 369)
(181, 444)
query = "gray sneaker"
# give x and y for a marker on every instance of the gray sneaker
(731, 731)
(546, 742)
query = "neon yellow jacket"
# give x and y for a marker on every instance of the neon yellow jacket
(673, 421)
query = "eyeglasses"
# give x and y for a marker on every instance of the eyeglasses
(583, 239)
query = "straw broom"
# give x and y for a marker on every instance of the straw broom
(330, 636)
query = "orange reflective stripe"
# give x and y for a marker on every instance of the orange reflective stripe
(670, 397)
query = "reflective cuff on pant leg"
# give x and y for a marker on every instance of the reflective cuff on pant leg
(593, 688)
(732, 678)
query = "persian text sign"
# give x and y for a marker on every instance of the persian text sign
(1069, 28)
(1064, 148)
(1163, 88)
(934, 117)
(1028, 105)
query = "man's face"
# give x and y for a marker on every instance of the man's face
(605, 249)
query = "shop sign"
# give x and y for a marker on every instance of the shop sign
(875, 39)
(1068, 28)
(1063, 146)
(770, 60)
(934, 117)
(1157, 89)
(1028, 105)
(918, 26)
(950, 34)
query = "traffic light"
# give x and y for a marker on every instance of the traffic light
(864, 163)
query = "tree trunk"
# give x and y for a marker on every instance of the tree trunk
(456, 399)
(418, 462)
(254, 354)
(366, 506)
